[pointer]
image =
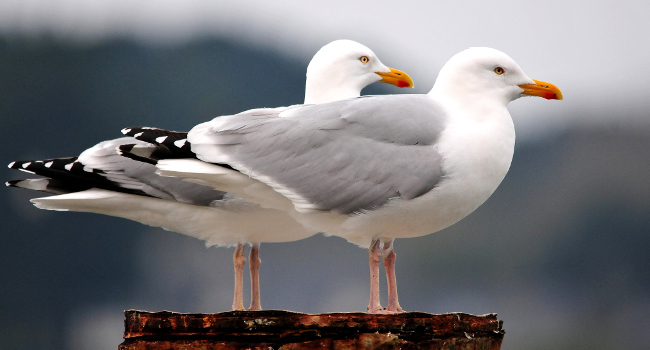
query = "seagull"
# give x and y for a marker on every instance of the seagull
(342, 68)
(101, 180)
(374, 168)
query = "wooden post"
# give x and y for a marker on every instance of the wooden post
(274, 329)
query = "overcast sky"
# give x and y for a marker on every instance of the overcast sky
(597, 53)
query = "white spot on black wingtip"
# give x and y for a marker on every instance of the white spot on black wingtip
(11, 165)
(161, 139)
(49, 164)
(25, 165)
(180, 143)
(8, 184)
(138, 134)
(68, 167)
(126, 131)
(27, 171)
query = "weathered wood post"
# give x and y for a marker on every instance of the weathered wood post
(274, 329)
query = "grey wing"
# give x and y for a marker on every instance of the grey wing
(346, 156)
(128, 173)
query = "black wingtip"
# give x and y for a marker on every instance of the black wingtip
(125, 148)
(125, 151)
(23, 183)
(171, 144)
(20, 164)
(134, 130)
(25, 165)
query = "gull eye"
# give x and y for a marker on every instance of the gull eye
(364, 59)
(499, 70)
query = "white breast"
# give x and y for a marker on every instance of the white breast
(477, 156)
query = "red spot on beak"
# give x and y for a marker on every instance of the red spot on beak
(403, 84)
(550, 96)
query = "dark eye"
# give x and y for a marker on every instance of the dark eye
(499, 70)
(364, 59)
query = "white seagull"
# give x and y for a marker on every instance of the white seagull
(102, 181)
(373, 169)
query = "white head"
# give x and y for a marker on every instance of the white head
(342, 68)
(482, 73)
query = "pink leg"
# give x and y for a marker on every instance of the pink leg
(374, 253)
(254, 264)
(239, 260)
(389, 266)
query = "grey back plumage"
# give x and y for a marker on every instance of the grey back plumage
(346, 156)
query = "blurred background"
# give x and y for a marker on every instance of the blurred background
(561, 251)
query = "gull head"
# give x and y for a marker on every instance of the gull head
(485, 74)
(342, 68)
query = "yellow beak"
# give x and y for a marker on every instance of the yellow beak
(542, 89)
(396, 77)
